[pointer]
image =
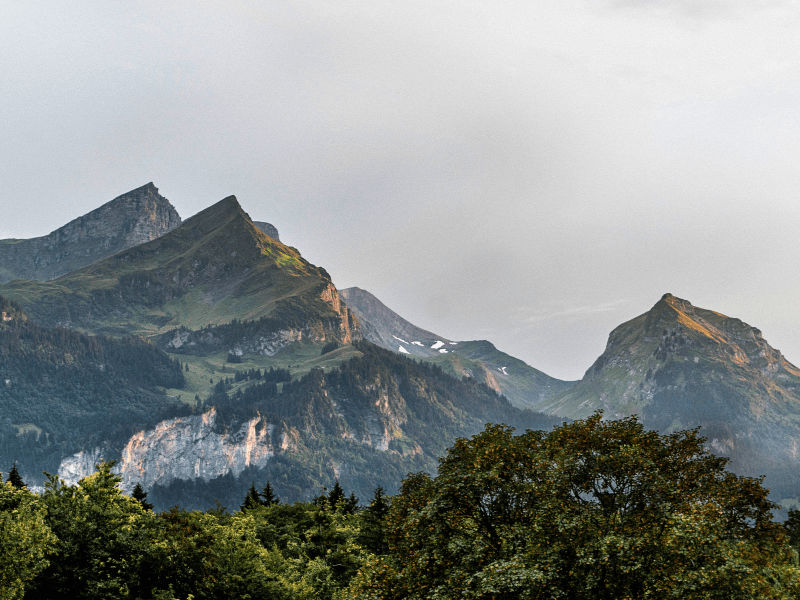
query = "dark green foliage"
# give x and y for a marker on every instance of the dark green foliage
(329, 347)
(14, 478)
(98, 550)
(792, 526)
(252, 500)
(268, 497)
(336, 495)
(592, 510)
(373, 528)
(183, 560)
(139, 494)
(79, 390)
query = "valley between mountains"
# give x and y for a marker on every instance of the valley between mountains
(205, 354)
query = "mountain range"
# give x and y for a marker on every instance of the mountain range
(273, 380)
(205, 354)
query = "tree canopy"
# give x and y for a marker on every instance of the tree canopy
(594, 509)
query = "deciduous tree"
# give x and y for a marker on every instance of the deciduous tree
(595, 509)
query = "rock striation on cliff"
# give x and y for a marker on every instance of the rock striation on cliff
(134, 218)
(185, 448)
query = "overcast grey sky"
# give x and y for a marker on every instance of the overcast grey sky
(533, 173)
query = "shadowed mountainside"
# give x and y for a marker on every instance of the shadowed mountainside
(138, 216)
(217, 267)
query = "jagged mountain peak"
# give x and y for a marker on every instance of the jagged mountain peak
(679, 366)
(133, 218)
(676, 330)
(216, 267)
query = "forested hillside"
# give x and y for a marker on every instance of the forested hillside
(62, 390)
(368, 423)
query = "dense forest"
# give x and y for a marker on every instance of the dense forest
(63, 391)
(592, 510)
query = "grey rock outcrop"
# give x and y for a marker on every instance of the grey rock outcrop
(131, 219)
(268, 229)
(190, 448)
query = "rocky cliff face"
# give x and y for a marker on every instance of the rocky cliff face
(190, 448)
(186, 448)
(139, 216)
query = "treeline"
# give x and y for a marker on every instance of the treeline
(76, 390)
(91, 541)
(591, 510)
(434, 406)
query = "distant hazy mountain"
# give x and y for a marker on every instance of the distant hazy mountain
(523, 385)
(131, 219)
(387, 329)
(680, 366)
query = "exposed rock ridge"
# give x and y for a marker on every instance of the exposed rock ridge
(216, 267)
(138, 216)
(268, 229)
(190, 448)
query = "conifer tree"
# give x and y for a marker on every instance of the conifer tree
(373, 531)
(268, 497)
(14, 478)
(252, 500)
(335, 495)
(351, 504)
(139, 494)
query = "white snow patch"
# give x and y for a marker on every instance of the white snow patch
(437, 345)
(418, 344)
(443, 351)
(402, 350)
(453, 343)
(503, 370)
(399, 340)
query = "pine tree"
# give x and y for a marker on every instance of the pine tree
(373, 530)
(336, 495)
(268, 497)
(15, 478)
(139, 494)
(351, 504)
(252, 500)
